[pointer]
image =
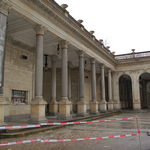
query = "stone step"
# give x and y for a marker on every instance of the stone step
(9, 133)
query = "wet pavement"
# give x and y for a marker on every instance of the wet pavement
(93, 130)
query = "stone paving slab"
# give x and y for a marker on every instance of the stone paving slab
(93, 130)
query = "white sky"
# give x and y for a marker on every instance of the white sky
(124, 24)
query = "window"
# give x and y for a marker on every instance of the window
(18, 97)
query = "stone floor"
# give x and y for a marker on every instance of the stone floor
(93, 130)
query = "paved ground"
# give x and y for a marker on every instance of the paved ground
(94, 130)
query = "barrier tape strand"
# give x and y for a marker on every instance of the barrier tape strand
(65, 140)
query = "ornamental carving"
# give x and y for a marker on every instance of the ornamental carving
(4, 7)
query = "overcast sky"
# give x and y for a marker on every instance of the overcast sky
(123, 24)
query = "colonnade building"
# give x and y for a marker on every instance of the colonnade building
(50, 64)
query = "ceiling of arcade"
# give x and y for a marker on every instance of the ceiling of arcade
(22, 31)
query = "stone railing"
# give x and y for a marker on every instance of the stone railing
(132, 55)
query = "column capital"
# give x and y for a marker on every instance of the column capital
(102, 66)
(92, 60)
(69, 63)
(4, 7)
(64, 43)
(109, 70)
(39, 29)
(54, 57)
(81, 53)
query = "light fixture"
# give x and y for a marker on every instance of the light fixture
(58, 50)
(46, 64)
(85, 63)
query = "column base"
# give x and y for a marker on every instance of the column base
(110, 106)
(116, 105)
(136, 105)
(64, 110)
(37, 111)
(37, 120)
(103, 107)
(81, 109)
(53, 108)
(3, 102)
(3, 124)
(94, 108)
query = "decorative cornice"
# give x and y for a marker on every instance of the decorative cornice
(134, 62)
(4, 7)
(13, 42)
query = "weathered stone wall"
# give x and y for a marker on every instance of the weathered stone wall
(18, 75)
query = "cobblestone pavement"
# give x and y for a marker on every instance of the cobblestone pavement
(93, 130)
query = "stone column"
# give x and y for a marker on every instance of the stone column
(3, 19)
(64, 104)
(116, 99)
(110, 101)
(37, 103)
(136, 93)
(81, 104)
(103, 103)
(53, 105)
(93, 103)
(69, 86)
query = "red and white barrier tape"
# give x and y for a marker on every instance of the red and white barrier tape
(65, 140)
(94, 138)
(20, 142)
(22, 126)
(63, 123)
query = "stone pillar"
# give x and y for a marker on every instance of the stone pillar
(64, 104)
(103, 103)
(3, 19)
(37, 103)
(116, 99)
(136, 93)
(81, 104)
(110, 101)
(53, 105)
(93, 103)
(69, 86)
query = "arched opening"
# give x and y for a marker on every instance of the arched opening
(144, 82)
(125, 92)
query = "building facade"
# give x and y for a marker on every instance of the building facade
(50, 64)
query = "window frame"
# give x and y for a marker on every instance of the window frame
(22, 97)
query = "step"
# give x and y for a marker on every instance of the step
(28, 131)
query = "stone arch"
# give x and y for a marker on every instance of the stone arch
(144, 89)
(125, 91)
(123, 73)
